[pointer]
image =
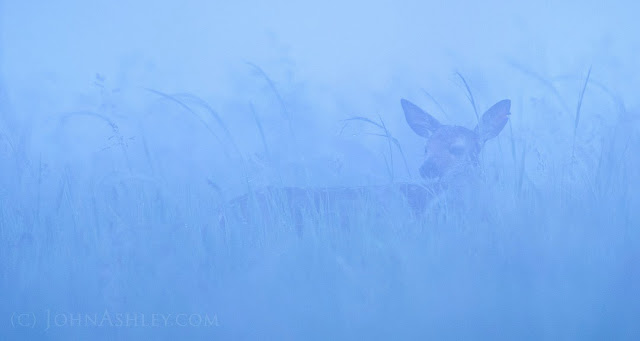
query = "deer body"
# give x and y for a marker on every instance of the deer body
(450, 161)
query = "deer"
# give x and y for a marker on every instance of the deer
(451, 160)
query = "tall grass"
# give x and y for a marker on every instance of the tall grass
(526, 261)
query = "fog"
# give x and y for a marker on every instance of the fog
(132, 134)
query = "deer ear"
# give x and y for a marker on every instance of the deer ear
(494, 120)
(422, 123)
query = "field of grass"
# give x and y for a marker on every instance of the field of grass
(102, 216)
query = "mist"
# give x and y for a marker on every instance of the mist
(187, 170)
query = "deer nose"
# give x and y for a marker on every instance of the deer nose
(429, 170)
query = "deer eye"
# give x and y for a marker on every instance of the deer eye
(456, 150)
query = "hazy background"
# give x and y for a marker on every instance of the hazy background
(124, 125)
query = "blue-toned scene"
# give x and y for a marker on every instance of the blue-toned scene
(319, 170)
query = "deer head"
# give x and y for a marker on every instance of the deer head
(453, 150)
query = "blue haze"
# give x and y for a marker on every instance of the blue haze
(125, 129)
